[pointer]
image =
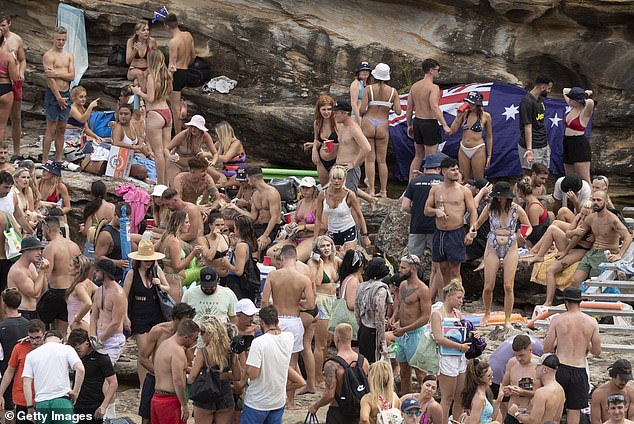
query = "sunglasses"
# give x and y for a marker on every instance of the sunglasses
(616, 398)
(413, 414)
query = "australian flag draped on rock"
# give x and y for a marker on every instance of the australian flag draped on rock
(502, 101)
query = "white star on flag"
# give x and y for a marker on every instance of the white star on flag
(555, 121)
(510, 112)
(568, 108)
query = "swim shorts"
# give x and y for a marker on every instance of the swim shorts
(452, 366)
(293, 325)
(353, 177)
(540, 155)
(417, 244)
(51, 108)
(407, 344)
(324, 303)
(182, 77)
(113, 346)
(52, 306)
(166, 409)
(448, 246)
(591, 262)
(427, 132)
(344, 236)
(574, 381)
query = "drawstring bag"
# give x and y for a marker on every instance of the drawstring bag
(426, 357)
(478, 344)
(12, 241)
(207, 384)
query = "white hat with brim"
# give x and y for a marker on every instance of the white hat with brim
(381, 72)
(307, 182)
(158, 190)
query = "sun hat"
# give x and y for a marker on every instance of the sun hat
(474, 98)
(146, 252)
(376, 269)
(158, 190)
(31, 243)
(433, 160)
(198, 122)
(363, 66)
(381, 72)
(54, 168)
(578, 94)
(307, 182)
(549, 360)
(502, 189)
(246, 307)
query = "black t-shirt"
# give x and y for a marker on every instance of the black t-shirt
(418, 191)
(98, 368)
(11, 330)
(532, 112)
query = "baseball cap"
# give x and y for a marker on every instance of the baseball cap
(158, 190)
(409, 403)
(246, 307)
(549, 360)
(622, 368)
(241, 174)
(208, 277)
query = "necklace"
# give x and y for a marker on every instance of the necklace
(273, 329)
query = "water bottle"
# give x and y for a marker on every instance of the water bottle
(137, 102)
(124, 234)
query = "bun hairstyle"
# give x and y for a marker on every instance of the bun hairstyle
(454, 286)
(524, 186)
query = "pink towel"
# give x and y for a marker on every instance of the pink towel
(139, 201)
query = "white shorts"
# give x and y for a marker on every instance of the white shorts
(451, 366)
(294, 325)
(113, 346)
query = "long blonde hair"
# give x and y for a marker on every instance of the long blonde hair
(219, 342)
(83, 266)
(226, 135)
(381, 383)
(159, 73)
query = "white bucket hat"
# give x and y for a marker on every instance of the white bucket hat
(198, 122)
(381, 72)
(307, 182)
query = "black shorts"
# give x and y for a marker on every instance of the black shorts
(20, 413)
(335, 415)
(427, 132)
(52, 306)
(182, 78)
(261, 228)
(29, 314)
(5, 265)
(576, 149)
(344, 236)
(219, 403)
(147, 391)
(509, 419)
(574, 380)
(367, 343)
(448, 246)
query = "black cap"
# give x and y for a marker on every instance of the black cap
(241, 174)
(480, 183)
(107, 267)
(53, 333)
(363, 66)
(549, 360)
(578, 94)
(31, 243)
(343, 105)
(503, 190)
(376, 269)
(571, 293)
(208, 277)
(622, 368)
(572, 183)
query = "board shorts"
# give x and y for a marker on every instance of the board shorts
(324, 303)
(574, 381)
(427, 132)
(294, 326)
(417, 244)
(52, 306)
(407, 344)
(147, 392)
(540, 155)
(591, 262)
(52, 110)
(166, 409)
(113, 346)
(452, 366)
(448, 246)
(353, 178)
(182, 79)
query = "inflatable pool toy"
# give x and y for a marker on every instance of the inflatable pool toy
(495, 318)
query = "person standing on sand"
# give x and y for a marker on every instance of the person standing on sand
(59, 68)
(424, 129)
(620, 373)
(572, 335)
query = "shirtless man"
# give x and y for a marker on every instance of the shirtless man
(548, 401)
(174, 203)
(108, 243)
(620, 373)
(520, 379)
(413, 311)
(617, 410)
(25, 276)
(424, 129)
(109, 309)
(196, 182)
(59, 252)
(572, 335)
(448, 202)
(15, 45)
(266, 205)
(157, 335)
(607, 230)
(59, 67)
(181, 54)
(169, 403)
(4, 158)
(291, 291)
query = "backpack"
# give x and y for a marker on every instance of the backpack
(98, 123)
(117, 56)
(249, 281)
(353, 387)
(199, 73)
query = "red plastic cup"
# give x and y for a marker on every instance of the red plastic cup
(149, 223)
(266, 261)
(463, 108)
(288, 218)
(523, 229)
(330, 145)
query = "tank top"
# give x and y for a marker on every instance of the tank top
(116, 249)
(74, 122)
(74, 304)
(544, 214)
(339, 218)
(144, 300)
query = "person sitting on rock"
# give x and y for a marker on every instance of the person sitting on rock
(569, 194)
(80, 115)
(53, 191)
(137, 48)
(537, 213)
(125, 136)
(196, 184)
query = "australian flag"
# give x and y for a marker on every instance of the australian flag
(502, 101)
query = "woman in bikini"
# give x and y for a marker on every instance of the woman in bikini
(215, 243)
(477, 398)
(125, 136)
(158, 123)
(53, 191)
(324, 155)
(137, 49)
(537, 213)
(577, 152)
(474, 120)
(9, 72)
(431, 411)
(357, 87)
(80, 115)
(503, 214)
(378, 99)
(231, 153)
(381, 396)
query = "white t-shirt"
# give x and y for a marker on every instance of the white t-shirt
(584, 194)
(48, 366)
(272, 355)
(221, 304)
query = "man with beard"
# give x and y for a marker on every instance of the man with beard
(607, 230)
(413, 309)
(448, 202)
(533, 144)
(211, 299)
(24, 276)
(620, 373)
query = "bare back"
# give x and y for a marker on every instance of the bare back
(288, 286)
(169, 356)
(573, 333)
(60, 253)
(183, 43)
(421, 93)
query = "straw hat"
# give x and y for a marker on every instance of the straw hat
(146, 252)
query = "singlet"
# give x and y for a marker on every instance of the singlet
(74, 305)
(116, 248)
(575, 124)
(74, 122)
(219, 254)
(127, 140)
(386, 103)
(339, 218)
(476, 127)
(362, 84)
(143, 302)
(487, 412)
(544, 214)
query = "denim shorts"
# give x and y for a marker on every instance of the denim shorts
(52, 110)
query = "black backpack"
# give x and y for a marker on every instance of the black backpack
(117, 56)
(249, 281)
(354, 386)
(199, 72)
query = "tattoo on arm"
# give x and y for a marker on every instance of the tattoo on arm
(330, 375)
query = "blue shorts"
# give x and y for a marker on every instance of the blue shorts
(407, 344)
(254, 416)
(147, 391)
(344, 236)
(52, 109)
(448, 246)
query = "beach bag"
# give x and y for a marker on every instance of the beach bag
(354, 386)
(341, 314)
(12, 241)
(98, 123)
(311, 419)
(207, 384)
(166, 302)
(388, 414)
(199, 73)
(426, 357)
(478, 344)
(117, 56)
(95, 167)
(287, 187)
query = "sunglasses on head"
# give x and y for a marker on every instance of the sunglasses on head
(616, 398)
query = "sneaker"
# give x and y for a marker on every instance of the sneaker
(71, 166)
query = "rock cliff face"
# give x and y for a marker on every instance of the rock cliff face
(285, 53)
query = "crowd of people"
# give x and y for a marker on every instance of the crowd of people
(188, 288)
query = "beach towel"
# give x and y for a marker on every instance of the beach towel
(139, 201)
(562, 280)
(72, 19)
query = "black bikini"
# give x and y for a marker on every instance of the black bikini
(328, 163)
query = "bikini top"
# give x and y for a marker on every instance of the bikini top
(136, 55)
(333, 136)
(544, 214)
(219, 254)
(476, 127)
(575, 124)
(127, 140)
(386, 103)
(325, 279)
(74, 122)
(53, 197)
(487, 412)
(308, 219)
